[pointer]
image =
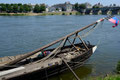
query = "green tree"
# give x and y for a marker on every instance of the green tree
(29, 8)
(57, 9)
(82, 6)
(9, 9)
(15, 8)
(7, 5)
(21, 9)
(3, 8)
(118, 67)
(42, 7)
(19, 4)
(26, 8)
(95, 7)
(12, 4)
(36, 8)
(63, 9)
(0, 4)
(76, 6)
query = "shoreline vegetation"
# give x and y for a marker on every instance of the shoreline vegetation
(107, 77)
(115, 76)
(41, 14)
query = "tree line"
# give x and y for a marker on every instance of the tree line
(22, 8)
(79, 6)
(84, 6)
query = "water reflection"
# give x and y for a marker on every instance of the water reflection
(82, 72)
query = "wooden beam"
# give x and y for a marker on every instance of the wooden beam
(83, 42)
(71, 69)
(55, 51)
(75, 38)
(74, 46)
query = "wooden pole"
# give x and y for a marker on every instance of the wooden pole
(65, 41)
(71, 69)
(74, 46)
(83, 42)
(75, 38)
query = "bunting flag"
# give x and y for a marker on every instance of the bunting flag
(114, 20)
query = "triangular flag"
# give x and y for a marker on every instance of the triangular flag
(114, 20)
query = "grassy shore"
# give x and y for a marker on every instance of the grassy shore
(40, 14)
(107, 77)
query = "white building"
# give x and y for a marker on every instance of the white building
(61, 7)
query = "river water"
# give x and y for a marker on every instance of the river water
(22, 34)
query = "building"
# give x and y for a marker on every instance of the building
(61, 7)
(68, 7)
(47, 8)
(99, 5)
(88, 5)
(51, 9)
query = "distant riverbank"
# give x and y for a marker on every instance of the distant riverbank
(40, 14)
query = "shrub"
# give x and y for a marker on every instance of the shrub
(78, 13)
(70, 13)
(63, 13)
(118, 67)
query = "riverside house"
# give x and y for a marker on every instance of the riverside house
(67, 6)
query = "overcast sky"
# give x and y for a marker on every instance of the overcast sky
(51, 2)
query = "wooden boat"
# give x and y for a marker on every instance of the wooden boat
(52, 65)
(47, 62)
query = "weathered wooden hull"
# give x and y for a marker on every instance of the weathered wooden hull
(52, 70)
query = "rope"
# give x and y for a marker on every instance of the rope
(98, 42)
(91, 30)
(54, 52)
(99, 39)
(84, 35)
